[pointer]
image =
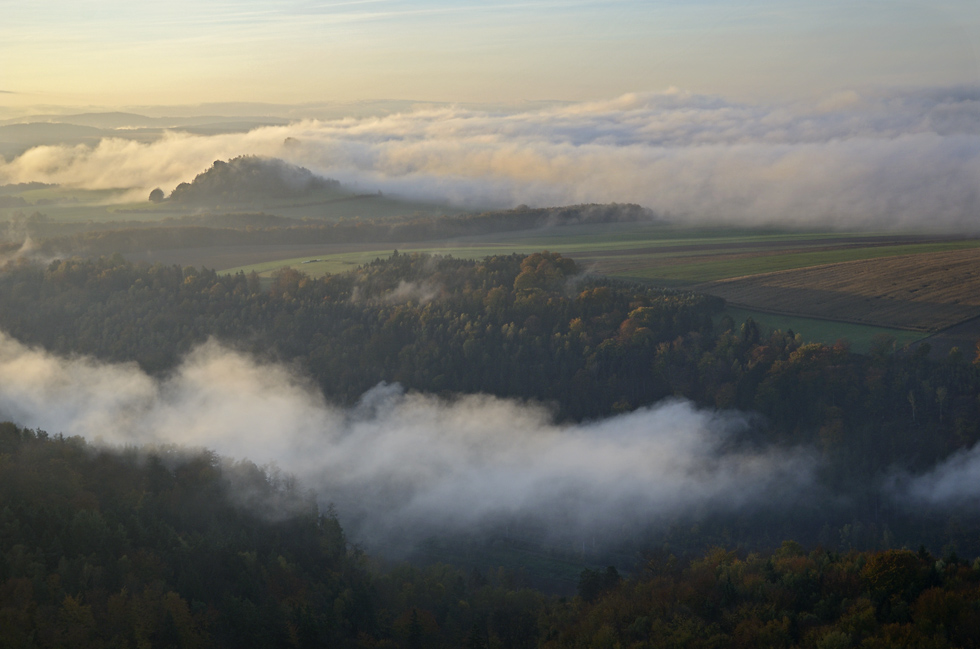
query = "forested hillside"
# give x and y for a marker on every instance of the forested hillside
(170, 548)
(530, 327)
(538, 328)
(248, 178)
(150, 548)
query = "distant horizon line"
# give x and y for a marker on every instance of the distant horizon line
(63, 109)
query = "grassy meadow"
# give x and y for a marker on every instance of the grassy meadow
(819, 330)
(665, 254)
(70, 205)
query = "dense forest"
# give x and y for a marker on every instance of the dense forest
(249, 178)
(536, 327)
(526, 326)
(529, 327)
(108, 547)
(159, 548)
(787, 598)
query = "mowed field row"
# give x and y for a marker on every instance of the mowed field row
(666, 255)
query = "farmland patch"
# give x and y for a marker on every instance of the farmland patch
(824, 331)
(924, 292)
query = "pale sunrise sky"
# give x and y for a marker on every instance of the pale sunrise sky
(847, 114)
(114, 53)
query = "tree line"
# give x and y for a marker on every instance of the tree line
(258, 228)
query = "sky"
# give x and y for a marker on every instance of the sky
(109, 53)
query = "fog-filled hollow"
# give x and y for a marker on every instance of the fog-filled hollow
(407, 466)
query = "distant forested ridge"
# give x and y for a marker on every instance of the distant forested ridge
(247, 178)
(251, 228)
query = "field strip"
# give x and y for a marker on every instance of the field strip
(630, 253)
(922, 292)
(861, 336)
(704, 269)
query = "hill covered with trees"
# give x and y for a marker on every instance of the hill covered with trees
(247, 178)
(512, 326)
(159, 547)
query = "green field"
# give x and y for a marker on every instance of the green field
(709, 271)
(72, 205)
(313, 266)
(663, 254)
(824, 331)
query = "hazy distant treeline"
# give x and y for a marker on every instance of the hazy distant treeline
(246, 178)
(234, 229)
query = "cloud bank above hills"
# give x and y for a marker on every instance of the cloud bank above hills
(873, 159)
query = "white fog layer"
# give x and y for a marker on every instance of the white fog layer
(871, 159)
(401, 465)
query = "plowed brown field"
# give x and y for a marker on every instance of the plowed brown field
(922, 292)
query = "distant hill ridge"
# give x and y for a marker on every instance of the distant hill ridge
(123, 120)
(247, 178)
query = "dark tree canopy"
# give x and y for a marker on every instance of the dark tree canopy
(246, 178)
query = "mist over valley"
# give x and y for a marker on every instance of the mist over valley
(408, 325)
(886, 159)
